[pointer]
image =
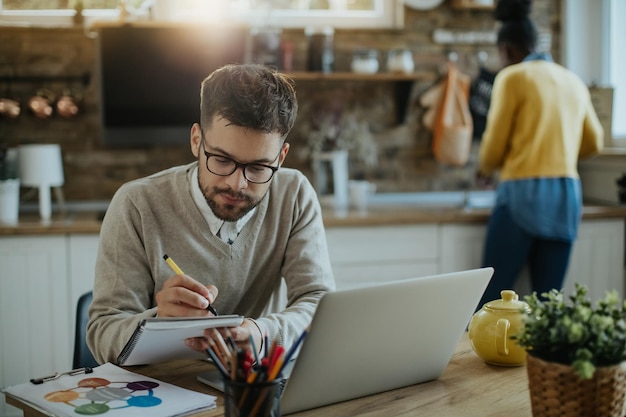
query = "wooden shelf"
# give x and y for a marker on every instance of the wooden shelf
(351, 76)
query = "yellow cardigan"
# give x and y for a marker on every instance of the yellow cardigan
(540, 122)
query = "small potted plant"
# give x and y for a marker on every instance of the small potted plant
(576, 354)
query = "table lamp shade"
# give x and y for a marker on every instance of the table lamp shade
(41, 166)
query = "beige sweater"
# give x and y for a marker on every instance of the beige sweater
(283, 243)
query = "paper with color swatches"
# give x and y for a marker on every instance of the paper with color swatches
(111, 391)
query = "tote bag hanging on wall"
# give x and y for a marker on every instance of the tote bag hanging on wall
(452, 127)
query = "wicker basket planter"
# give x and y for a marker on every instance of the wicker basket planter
(555, 390)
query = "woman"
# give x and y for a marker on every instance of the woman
(540, 122)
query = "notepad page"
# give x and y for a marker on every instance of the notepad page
(167, 341)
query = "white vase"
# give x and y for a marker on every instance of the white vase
(9, 201)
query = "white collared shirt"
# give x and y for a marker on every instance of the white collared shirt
(227, 231)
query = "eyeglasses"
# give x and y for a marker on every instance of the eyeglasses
(224, 166)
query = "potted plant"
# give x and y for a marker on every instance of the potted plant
(576, 354)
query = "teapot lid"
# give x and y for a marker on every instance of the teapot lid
(509, 301)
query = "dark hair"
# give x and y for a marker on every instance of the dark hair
(517, 28)
(250, 95)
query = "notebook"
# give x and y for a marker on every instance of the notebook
(372, 339)
(161, 339)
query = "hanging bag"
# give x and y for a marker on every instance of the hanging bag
(452, 129)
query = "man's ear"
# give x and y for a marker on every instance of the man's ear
(195, 139)
(283, 153)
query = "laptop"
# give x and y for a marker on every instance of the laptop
(377, 338)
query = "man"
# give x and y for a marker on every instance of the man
(248, 234)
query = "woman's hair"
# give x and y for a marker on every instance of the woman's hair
(253, 96)
(517, 29)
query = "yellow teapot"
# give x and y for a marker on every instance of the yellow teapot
(490, 329)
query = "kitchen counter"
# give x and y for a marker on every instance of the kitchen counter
(75, 223)
(397, 215)
(88, 222)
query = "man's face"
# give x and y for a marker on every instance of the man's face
(232, 196)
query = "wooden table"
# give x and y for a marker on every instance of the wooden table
(468, 387)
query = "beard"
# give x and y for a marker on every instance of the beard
(228, 212)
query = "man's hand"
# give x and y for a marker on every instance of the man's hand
(183, 296)
(240, 335)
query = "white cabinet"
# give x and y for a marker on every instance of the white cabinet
(362, 255)
(41, 279)
(82, 261)
(34, 317)
(597, 258)
(461, 246)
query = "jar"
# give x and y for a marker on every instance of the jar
(365, 61)
(400, 60)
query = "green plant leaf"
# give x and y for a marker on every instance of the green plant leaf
(572, 331)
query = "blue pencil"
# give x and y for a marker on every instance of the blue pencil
(292, 351)
(218, 363)
(253, 345)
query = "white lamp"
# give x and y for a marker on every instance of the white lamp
(41, 166)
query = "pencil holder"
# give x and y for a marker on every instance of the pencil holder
(242, 399)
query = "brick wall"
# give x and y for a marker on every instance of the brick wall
(30, 56)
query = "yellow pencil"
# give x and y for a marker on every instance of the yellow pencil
(179, 271)
(173, 265)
